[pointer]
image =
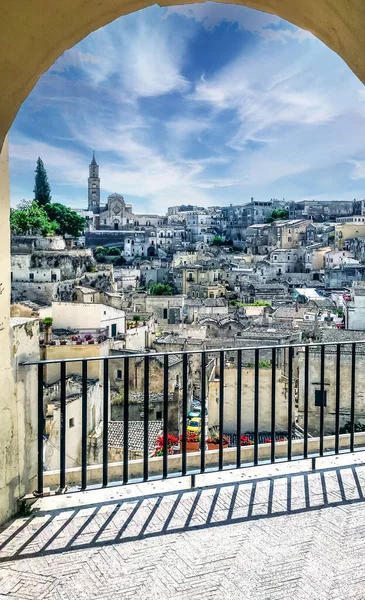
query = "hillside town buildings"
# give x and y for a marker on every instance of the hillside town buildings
(197, 278)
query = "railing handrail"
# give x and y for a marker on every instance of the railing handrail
(189, 352)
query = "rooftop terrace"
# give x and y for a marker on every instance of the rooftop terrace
(277, 532)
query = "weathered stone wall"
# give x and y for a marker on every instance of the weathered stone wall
(105, 238)
(73, 424)
(10, 476)
(25, 244)
(330, 388)
(247, 412)
(35, 291)
(72, 263)
(19, 422)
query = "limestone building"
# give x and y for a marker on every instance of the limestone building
(115, 214)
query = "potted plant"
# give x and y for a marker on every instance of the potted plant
(52, 343)
(192, 441)
(136, 320)
(213, 440)
(171, 442)
(41, 341)
(79, 341)
(91, 341)
(47, 322)
(245, 441)
(63, 341)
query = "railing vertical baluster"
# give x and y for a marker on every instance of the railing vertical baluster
(184, 410)
(84, 427)
(256, 409)
(63, 428)
(290, 402)
(165, 412)
(221, 407)
(273, 403)
(40, 429)
(321, 412)
(239, 408)
(353, 375)
(203, 406)
(105, 420)
(306, 406)
(145, 416)
(126, 420)
(338, 388)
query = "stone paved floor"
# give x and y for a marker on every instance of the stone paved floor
(278, 532)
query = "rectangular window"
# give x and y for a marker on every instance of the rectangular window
(158, 415)
(71, 422)
(31, 276)
(119, 373)
(114, 329)
(318, 398)
(165, 313)
(53, 277)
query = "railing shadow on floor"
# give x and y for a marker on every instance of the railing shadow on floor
(51, 532)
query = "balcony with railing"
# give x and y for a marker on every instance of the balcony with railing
(274, 403)
(269, 476)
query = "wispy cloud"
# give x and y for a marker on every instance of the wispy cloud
(202, 104)
(268, 26)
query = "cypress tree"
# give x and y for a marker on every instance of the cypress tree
(42, 190)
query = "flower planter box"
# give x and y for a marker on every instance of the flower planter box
(212, 446)
(191, 446)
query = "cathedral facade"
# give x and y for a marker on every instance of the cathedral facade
(114, 224)
(113, 215)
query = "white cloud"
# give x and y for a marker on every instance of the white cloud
(269, 119)
(212, 14)
(358, 171)
(145, 58)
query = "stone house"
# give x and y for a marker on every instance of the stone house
(314, 387)
(73, 424)
(38, 268)
(247, 411)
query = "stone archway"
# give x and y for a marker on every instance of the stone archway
(33, 35)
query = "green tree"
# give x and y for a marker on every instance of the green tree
(69, 222)
(113, 251)
(280, 214)
(218, 240)
(42, 190)
(31, 219)
(161, 289)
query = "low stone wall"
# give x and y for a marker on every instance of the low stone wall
(115, 470)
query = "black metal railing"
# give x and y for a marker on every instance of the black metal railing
(300, 368)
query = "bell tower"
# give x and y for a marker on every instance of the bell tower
(94, 186)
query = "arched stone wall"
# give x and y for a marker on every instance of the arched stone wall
(35, 33)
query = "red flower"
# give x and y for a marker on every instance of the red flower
(190, 437)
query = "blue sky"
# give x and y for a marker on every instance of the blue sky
(202, 104)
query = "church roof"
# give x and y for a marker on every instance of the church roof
(93, 162)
